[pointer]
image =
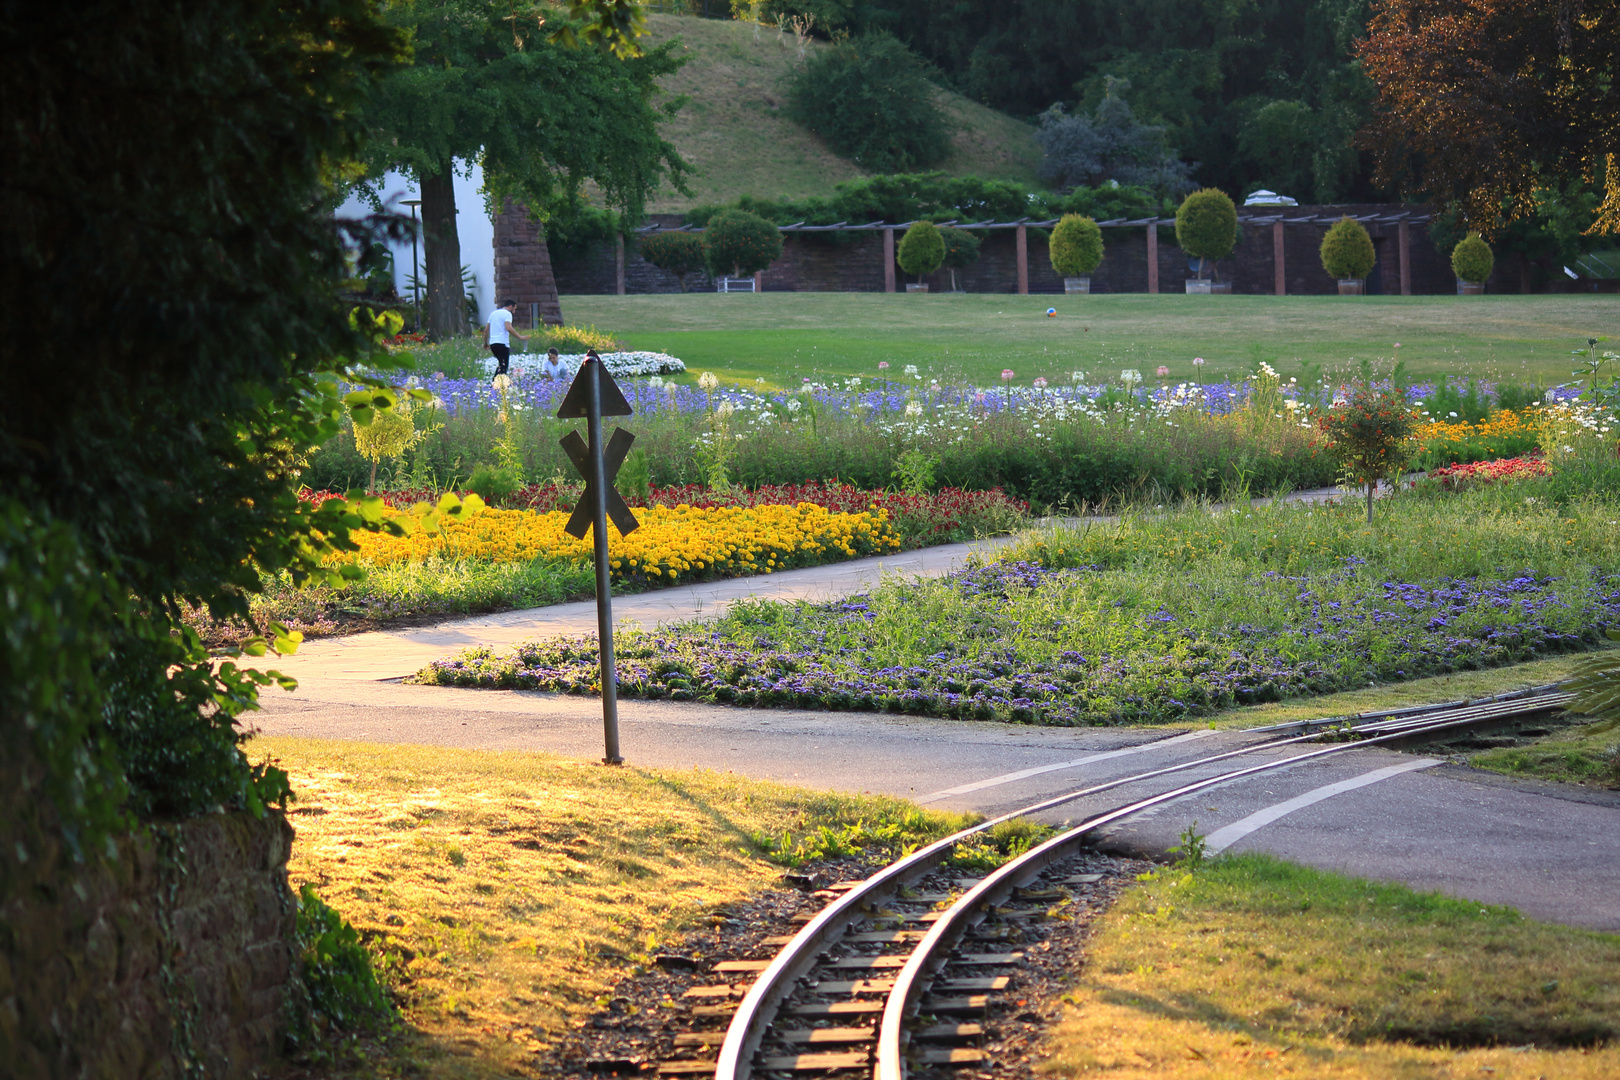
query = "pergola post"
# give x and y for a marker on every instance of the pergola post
(888, 260)
(1405, 241)
(1277, 257)
(1023, 261)
(1153, 256)
(759, 281)
(618, 264)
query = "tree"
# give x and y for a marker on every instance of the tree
(870, 99)
(1472, 260)
(739, 243)
(1277, 145)
(921, 250)
(1347, 250)
(489, 84)
(961, 251)
(1110, 145)
(1206, 226)
(1076, 246)
(1483, 102)
(680, 253)
(1370, 432)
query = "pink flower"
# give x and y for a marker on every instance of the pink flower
(1198, 361)
(1007, 374)
(1040, 384)
(883, 365)
(1163, 372)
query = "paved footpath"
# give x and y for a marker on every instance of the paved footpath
(1551, 851)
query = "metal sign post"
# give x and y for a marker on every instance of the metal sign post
(594, 395)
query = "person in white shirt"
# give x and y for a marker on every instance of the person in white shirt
(498, 334)
(554, 368)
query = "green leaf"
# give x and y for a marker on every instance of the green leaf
(351, 572)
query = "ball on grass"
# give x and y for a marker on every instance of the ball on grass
(1051, 313)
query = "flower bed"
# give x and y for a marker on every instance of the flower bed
(622, 365)
(672, 543)
(1456, 477)
(1505, 433)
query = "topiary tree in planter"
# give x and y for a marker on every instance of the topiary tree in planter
(922, 249)
(1076, 246)
(739, 243)
(680, 253)
(1472, 260)
(1206, 227)
(1347, 251)
(961, 251)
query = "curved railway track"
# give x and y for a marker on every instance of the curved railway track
(876, 982)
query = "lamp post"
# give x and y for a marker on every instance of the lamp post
(416, 288)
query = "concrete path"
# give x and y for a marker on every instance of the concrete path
(1553, 852)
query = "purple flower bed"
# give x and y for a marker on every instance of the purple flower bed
(1340, 630)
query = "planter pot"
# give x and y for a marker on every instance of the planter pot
(1073, 285)
(1470, 288)
(1220, 288)
(1352, 287)
(1198, 286)
(916, 288)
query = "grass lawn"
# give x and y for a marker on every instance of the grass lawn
(503, 893)
(1253, 967)
(1586, 754)
(783, 337)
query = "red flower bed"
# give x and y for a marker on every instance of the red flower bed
(940, 517)
(1453, 477)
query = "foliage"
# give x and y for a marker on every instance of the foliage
(336, 969)
(961, 250)
(1471, 259)
(680, 253)
(870, 98)
(1347, 250)
(906, 197)
(1111, 145)
(161, 482)
(495, 483)
(1369, 432)
(737, 242)
(1542, 242)
(1483, 104)
(541, 117)
(1206, 225)
(921, 249)
(1076, 246)
(1158, 616)
(1204, 69)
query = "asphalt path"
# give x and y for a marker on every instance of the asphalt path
(1551, 851)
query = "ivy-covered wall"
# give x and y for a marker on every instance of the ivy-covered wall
(173, 958)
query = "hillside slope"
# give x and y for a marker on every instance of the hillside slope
(737, 140)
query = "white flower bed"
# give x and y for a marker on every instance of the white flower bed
(619, 364)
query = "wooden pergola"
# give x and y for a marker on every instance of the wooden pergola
(1401, 219)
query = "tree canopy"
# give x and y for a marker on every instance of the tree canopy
(488, 84)
(1108, 145)
(1485, 104)
(869, 97)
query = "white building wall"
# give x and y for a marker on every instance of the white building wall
(473, 227)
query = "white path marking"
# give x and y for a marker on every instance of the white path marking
(1225, 837)
(1013, 777)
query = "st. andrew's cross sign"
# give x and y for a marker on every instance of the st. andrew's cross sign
(592, 396)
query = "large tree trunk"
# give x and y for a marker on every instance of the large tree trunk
(446, 317)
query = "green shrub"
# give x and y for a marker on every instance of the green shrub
(1347, 250)
(1369, 432)
(871, 100)
(1206, 225)
(495, 483)
(680, 253)
(922, 249)
(576, 339)
(1076, 246)
(336, 969)
(961, 251)
(1472, 260)
(739, 243)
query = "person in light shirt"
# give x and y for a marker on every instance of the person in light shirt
(498, 334)
(554, 368)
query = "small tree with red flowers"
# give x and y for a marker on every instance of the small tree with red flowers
(1369, 431)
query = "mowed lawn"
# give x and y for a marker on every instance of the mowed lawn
(785, 337)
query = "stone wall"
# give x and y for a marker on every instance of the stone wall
(853, 262)
(184, 939)
(523, 267)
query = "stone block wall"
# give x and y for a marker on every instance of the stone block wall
(523, 269)
(113, 969)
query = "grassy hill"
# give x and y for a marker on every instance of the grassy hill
(736, 138)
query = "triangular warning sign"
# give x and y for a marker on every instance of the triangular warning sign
(576, 404)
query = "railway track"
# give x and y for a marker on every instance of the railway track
(893, 976)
